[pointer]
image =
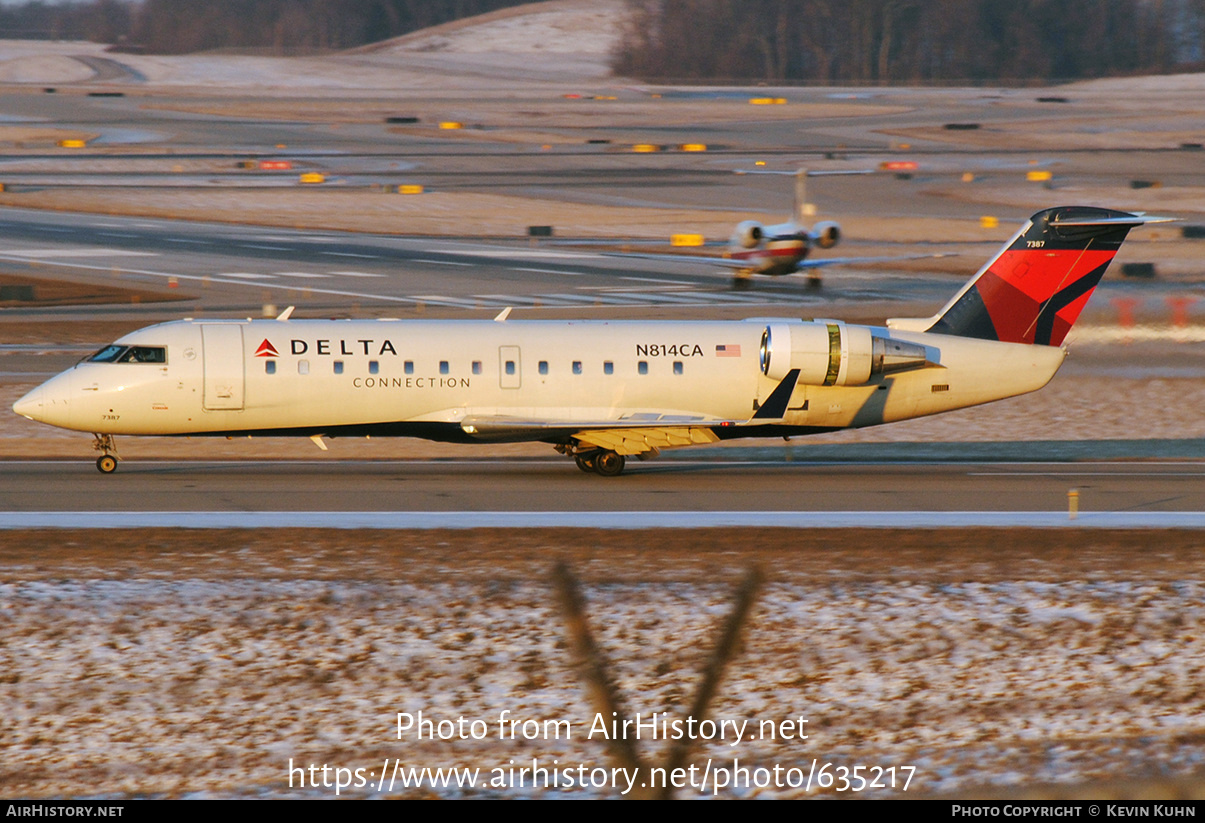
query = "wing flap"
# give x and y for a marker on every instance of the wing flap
(638, 441)
(626, 437)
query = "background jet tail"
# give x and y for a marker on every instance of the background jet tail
(801, 197)
(1036, 287)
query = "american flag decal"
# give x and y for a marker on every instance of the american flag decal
(728, 351)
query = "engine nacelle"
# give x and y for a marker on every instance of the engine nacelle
(826, 234)
(748, 234)
(831, 353)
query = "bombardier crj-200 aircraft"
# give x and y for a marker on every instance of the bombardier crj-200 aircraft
(783, 248)
(597, 391)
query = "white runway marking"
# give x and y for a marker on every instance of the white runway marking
(651, 280)
(440, 262)
(520, 253)
(439, 299)
(551, 271)
(356, 274)
(91, 252)
(243, 275)
(351, 254)
(302, 274)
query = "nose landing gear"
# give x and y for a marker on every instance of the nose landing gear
(107, 462)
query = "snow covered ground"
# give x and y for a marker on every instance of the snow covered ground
(204, 664)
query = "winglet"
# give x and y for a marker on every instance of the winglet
(286, 314)
(502, 315)
(775, 407)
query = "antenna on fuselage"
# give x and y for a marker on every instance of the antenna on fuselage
(502, 315)
(284, 315)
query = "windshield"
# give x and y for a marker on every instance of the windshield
(130, 354)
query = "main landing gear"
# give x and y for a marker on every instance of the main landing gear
(597, 461)
(107, 462)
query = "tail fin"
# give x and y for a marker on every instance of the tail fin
(1036, 287)
(801, 197)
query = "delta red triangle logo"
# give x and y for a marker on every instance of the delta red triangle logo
(266, 349)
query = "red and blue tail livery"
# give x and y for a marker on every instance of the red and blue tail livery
(1035, 288)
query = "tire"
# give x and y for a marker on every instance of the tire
(585, 461)
(608, 463)
(106, 464)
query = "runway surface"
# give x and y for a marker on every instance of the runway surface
(678, 486)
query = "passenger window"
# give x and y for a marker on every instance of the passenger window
(269, 367)
(677, 367)
(577, 367)
(642, 367)
(608, 367)
(338, 367)
(373, 367)
(476, 367)
(543, 367)
(443, 366)
(409, 367)
(303, 366)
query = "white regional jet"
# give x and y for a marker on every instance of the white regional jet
(782, 248)
(598, 391)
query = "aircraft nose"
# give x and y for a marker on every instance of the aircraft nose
(30, 405)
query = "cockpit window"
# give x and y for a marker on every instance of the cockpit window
(130, 354)
(107, 355)
(144, 354)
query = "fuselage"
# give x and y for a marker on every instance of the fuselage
(451, 380)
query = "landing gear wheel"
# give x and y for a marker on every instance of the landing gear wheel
(608, 463)
(585, 461)
(106, 463)
(740, 283)
(814, 282)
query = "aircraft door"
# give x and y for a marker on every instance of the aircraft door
(222, 352)
(510, 367)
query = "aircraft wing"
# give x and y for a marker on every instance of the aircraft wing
(624, 436)
(634, 434)
(853, 261)
(813, 263)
